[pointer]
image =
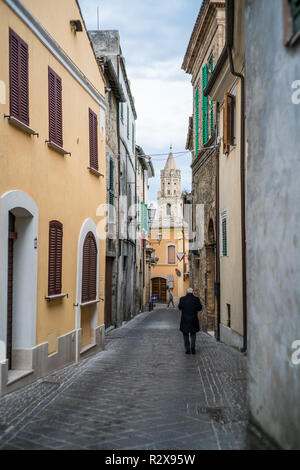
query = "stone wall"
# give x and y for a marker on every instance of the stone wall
(273, 224)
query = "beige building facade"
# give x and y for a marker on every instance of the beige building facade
(226, 89)
(203, 51)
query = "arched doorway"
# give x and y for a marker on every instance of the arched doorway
(18, 276)
(87, 287)
(159, 288)
(210, 282)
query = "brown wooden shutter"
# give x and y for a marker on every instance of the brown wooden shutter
(171, 254)
(55, 258)
(55, 108)
(89, 269)
(93, 137)
(228, 121)
(18, 77)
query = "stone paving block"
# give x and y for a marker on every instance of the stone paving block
(141, 392)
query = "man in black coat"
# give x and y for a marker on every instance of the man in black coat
(189, 324)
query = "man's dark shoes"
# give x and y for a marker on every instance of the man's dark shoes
(193, 351)
(187, 351)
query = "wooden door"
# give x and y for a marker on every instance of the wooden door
(159, 289)
(108, 293)
(210, 288)
(11, 237)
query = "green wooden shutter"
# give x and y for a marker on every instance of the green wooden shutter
(224, 237)
(211, 65)
(204, 105)
(197, 122)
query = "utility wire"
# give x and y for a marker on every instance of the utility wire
(178, 154)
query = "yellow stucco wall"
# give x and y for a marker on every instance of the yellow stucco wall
(61, 186)
(56, 19)
(230, 199)
(173, 236)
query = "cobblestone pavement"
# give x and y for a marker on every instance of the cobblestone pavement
(143, 392)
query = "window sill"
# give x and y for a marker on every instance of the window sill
(54, 297)
(94, 171)
(91, 302)
(20, 125)
(57, 148)
(87, 347)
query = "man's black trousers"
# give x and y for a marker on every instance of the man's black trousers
(189, 343)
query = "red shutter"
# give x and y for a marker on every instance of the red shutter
(171, 254)
(93, 136)
(55, 258)
(18, 79)
(89, 269)
(55, 108)
(59, 129)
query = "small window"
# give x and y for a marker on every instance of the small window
(55, 258)
(228, 315)
(127, 122)
(18, 77)
(168, 209)
(93, 137)
(224, 234)
(171, 254)
(228, 122)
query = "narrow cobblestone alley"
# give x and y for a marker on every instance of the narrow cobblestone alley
(142, 392)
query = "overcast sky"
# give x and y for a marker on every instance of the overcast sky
(154, 37)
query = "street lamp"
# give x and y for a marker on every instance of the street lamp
(159, 237)
(151, 213)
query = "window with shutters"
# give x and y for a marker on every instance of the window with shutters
(197, 122)
(18, 78)
(204, 105)
(93, 138)
(55, 108)
(171, 254)
(224, 234)
(111, 194)
(211, 69)
(127, 122)
(228, 122)
(291, 21)
(55, 258)
(122, 112)
(89, 269)
(133, 143)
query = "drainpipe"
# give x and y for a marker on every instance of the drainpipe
(217, 285)
(230, 16)
(118, 211)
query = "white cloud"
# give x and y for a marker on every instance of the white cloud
(154, 36)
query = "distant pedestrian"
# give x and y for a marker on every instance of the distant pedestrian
(190, 305)
(171, 299)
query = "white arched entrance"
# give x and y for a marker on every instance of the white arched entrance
(18, 275)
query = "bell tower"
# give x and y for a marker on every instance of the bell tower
(169, 197)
